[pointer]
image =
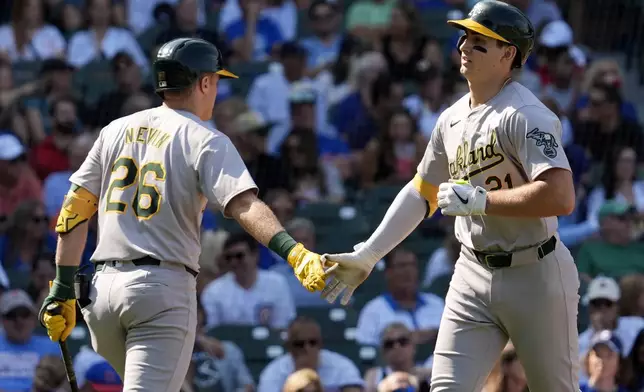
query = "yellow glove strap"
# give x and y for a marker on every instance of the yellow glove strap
(295, 256)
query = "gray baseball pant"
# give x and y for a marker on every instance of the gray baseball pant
(534, 304)
(143, 321)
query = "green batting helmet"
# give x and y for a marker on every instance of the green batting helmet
(503, 22)
(179, 64)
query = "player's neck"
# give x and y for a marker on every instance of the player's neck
(185, 106)
(483, 91)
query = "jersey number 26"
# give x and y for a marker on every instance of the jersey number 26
(147, 197)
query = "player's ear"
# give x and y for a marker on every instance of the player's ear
(510, 53)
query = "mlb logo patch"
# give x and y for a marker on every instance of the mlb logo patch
(161, 79)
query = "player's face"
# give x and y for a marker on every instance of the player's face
(482, 58)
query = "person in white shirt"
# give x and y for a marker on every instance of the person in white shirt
(304, 345)
(247, 295)
(402, 302)
(601, 298)
(103, 41)
(27, 37)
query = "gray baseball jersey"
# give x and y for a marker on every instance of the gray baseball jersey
(154, 172)
(505, 143)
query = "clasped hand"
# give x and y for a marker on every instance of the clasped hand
(460, 198)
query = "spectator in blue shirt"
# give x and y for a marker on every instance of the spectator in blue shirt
(324, 45)
(253, 36)
(20, 349)
(602, 364)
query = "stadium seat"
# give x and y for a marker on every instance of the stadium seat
(363, 357)
(440, 285)
(338, 323)
(338, 227)
(257, 343)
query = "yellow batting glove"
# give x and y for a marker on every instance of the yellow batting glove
(308, 268)
(59, 320)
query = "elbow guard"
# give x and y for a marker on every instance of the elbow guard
(79, 206)
(427, 191)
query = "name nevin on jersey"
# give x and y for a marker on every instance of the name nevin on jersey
(151, 136)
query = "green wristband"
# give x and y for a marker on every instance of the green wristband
(63, 286)
(282, 243)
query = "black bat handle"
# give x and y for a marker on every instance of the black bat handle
(55, 309)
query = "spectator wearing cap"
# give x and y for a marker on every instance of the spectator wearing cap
(52, 154)
(101, 40)
(94, 373)
(601, 298)
(247, 295)
(27, 37)
(20, 349)
(56, 76)
(431, 100)
(602, 364)
(269, 93)
(323, 47)
(606, 126)
(18, 182)
(616, 253)
(249, 133)
(129, 82)
(564, 65)
(369, 19)
(328, 156)
(253, 36)
(305, 351)
(186, 24)
(401, 302)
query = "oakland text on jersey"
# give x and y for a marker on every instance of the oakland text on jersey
(465, 158)
(151, 136)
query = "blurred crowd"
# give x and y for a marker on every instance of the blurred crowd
(332, 112)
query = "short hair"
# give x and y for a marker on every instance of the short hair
(392, 327)
(300, 223)
(302, 320)
(390, 256)
(241, 237)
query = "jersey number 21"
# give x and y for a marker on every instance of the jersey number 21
(147, 198)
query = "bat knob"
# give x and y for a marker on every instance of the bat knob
(54, 309)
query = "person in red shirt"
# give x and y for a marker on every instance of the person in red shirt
(17, 181)
(51, 154)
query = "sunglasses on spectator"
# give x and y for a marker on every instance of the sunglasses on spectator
(402, 341)
(39, 219)
(18, 313)
(301, 343)
(234, 256)
(601, 303)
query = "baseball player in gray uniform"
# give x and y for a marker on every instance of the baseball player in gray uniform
(495, 161)
(150, 175)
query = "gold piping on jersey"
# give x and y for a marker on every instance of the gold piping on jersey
(465, 158)
(428, 191)
(151, 136)
(80, 205)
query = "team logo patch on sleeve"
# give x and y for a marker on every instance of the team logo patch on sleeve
(545, 140)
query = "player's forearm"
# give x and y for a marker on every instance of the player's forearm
(254, 216)
(407, 210)
(537, 199)
(70, 247)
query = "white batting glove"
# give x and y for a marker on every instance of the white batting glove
(460, 198)
(350, 271)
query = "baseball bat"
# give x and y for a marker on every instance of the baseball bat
(55, 309)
